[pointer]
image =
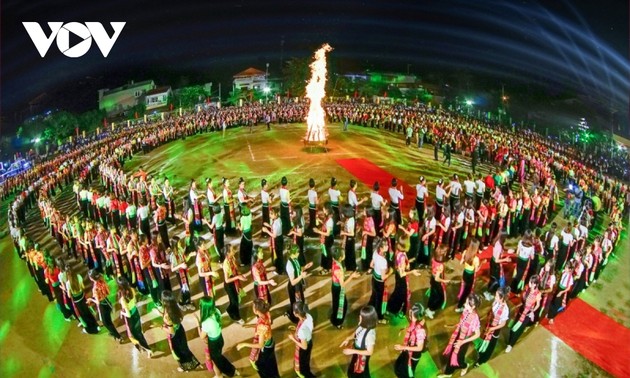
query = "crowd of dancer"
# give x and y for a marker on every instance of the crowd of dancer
(124, 226)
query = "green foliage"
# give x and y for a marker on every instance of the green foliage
(190, 96)
(138, 109)
(296, 73)
(60, 125)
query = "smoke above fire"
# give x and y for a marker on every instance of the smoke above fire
(315, 92)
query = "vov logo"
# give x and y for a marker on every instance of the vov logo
(61, 32)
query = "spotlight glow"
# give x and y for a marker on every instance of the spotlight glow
(315, 91)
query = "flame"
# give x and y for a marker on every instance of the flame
(315, 91)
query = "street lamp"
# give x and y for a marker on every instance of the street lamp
(266, 90)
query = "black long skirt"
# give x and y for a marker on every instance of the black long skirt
(217, 357)
(285, 217)
(336, 294)
(59, 298)
(398, 300)
(401, 367)
(85, 316)
(351, 257)
(179, 345)
(437, 296)
(366, 371)
(468, 280)
(134, 330)
(266, 363)
(326, 259)
(376, 299)
(246, 248)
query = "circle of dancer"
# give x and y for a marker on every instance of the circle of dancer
(135, 230)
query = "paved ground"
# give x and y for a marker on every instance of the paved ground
(34, 339)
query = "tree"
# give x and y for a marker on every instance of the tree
(296, 73)
(192, 95)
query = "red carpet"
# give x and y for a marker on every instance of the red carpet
(368, 173)
(595, 336)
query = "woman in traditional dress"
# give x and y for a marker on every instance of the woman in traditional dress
(466, 331)
(497, 317)
(399, 301)
(51, 273)
(129, 311)
(559, 302)
(297, 232)
(232, 285)
(412, 232)
(313, 202)
(259, 275)
(262, 356)
(338, 288)
(380, 273)
(470, 260)
(245, 226)
(296, 285)
(347, 233)
(209, 327)
(179, 265)
(413, 345)
(100, 294)
(176, 334)
(437, 289)
(525, 253)
(274, 230)
(285, 206)
(303, 339)
(364, 341)
(74, 287)
(368, 233)
(527, 313)
(335, 197)
(204, 268)
(228, 207)
(327, 239)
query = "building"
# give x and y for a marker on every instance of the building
(117, 100)
(157, 97)
(251, 78)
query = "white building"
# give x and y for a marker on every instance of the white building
(157, 97)
(251, 78)
(119, 99)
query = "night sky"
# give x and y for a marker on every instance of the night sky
(582, 45)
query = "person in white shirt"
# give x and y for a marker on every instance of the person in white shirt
(469, 188)
(551, 242)
(363, 346)
(380, 273)
(481, 190)
(313, 202)
(285, 206)
(295, 287)
(353, 200)
(566, 243)
(525, 253)
(211, 197)
(265, 199)
(377, 203)
(454, 189)
(348, 233)
(303, 339)
(334, 196)
(395, 196)
(440, 195)
(274, 230)
(422, 194)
